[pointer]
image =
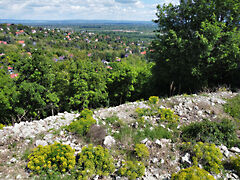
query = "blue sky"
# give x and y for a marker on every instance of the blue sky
(143, 10)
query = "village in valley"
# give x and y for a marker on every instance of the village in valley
(27, 39)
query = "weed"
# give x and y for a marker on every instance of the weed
(233, 107)
(223, 132)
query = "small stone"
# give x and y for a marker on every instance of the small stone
(27, 141)
(41, 142)
(154, 160)
(13, 160)
(199, 113)
(186, 159)
(144, 141)
(235, 176)
(61, 133)
(235, 149)
(109, 141)
(19, 177)
(96, 177)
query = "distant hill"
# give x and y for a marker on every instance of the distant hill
(27, 22)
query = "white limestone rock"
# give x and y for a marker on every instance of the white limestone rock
(109, 141)
(41, 142)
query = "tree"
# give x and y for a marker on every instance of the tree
(197, 45)
(87, 84)
(8, 96)
(35, 83)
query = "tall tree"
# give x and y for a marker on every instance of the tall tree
(197, 45)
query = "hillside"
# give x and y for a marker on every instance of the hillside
(120, 128)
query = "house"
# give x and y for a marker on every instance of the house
(109, 67)
(3, 42)
(10, 70)
(118, 59)
(144, 52)
(13, 75)
(21, 42)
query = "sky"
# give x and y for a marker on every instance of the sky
(140, 10)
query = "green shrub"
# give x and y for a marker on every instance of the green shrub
(154, 99)
(132, 169)
(235, 161)
(86, 113)
(83, 123)
(94, 161)
(223, 132)
(1, 126)
(233, 107)
(141, 121)
(209, 156)
(141, 151)
(192, 173)
(145, 112)
(167, 115)
(54, 157)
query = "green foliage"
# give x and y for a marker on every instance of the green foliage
(141, 151)
(8, 97)
(55, 157)
(144, 112)
(83, 123)
(35, 85)
(94, 161)
(197, 45)
(192, 173)
(87, 84)
(167, 115)
(137, 135)
(1, 126)
(209, 156)
(154, 99)
(132, 169)
(156, 132)
(223, 132)
(86, 113)
(233, 107)
(235, 161)
(128, 80)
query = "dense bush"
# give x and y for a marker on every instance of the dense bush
(132, 169)
(197, 45)
(167, 115)
(235, 161)
(191, 173)
(55, 157)
(209, 156)
(1, 126)
(223, 132)
(154, 99)
(94, 161)
(141, 151)
(83, 123)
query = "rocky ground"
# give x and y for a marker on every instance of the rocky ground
(17, 141)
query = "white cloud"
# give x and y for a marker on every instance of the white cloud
(80, 9)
